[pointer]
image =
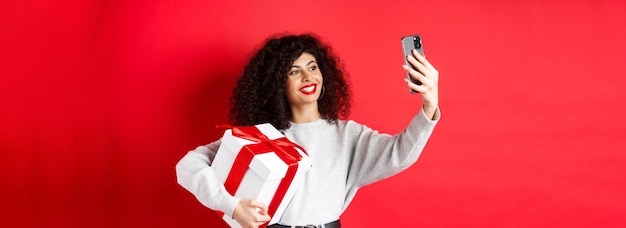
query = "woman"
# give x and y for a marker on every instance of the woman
(296, 83)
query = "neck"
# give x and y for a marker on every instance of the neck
(305, 114)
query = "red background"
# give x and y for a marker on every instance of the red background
(99, 100)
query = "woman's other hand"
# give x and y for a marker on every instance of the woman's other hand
(251, 213)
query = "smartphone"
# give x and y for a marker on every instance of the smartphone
(408, 44)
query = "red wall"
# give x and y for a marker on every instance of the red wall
(99, 100)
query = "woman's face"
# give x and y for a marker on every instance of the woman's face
(304, 81)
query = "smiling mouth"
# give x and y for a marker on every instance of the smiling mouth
(308, 89)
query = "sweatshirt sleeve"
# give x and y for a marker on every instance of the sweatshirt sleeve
(195, 174)
(378, 155)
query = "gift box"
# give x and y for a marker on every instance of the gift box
(258, 162)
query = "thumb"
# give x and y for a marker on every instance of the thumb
(261, 206)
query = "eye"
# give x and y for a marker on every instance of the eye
(294, 72)
(312, 68)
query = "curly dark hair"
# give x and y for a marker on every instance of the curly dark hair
(259, 96)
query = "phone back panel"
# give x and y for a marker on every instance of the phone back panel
(408, 44)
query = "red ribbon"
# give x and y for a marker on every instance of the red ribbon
(283, 148)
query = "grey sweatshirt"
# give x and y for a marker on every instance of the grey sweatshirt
(346, 156)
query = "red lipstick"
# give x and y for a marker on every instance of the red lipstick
(308, 89)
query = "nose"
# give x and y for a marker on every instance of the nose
(306, 77)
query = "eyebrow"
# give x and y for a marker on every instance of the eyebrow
(296, 66)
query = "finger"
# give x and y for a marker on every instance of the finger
(413, 73)
(261, 219)
(425, 86)
(419, 66)
(423, 60)
(413, 86)
(263, 211)
(264, 218)
(259, 205)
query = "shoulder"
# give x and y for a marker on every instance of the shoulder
(351, 127)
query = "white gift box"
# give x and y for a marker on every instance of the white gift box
(264, 173)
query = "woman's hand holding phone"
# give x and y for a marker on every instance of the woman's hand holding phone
(427, 77)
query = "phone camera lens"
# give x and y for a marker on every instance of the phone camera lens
(417, 42)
